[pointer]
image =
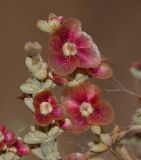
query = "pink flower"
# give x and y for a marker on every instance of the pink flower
(6, 137)
(9, 137)
(84, 107)
(22, 148)
(103, 71)
(46, 108)
(72, 48)
(76, 156)
(9, 141)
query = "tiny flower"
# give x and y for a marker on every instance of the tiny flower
(77, 156)
(72, 48)
(66, 123)
(46, 108)
(51, 25)
(103, 71)
(21, 147)
(136, 70)
(85, 108)
(9, 137)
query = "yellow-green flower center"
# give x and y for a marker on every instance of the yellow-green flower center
(69, 49)
(45, 108)
(86, 109)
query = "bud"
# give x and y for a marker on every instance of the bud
(51, 25)
(96, 129)
(98, 148)
(106, 138)
(33, 49)
(136, 70)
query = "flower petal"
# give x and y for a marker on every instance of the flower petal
(44, 96)
(58, 113)
(80, 124)
(62, 65)
(82, 40)
(104, 71)
(72, 107)
(89, 57)
(43, 120)
(66, 30)
(103, 114)
(85, 92)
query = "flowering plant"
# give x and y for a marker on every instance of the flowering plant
(74, 60)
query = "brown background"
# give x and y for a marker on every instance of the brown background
(115, 25)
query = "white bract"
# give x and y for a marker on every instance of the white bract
(38, 68)
(33, 86)
(79, 78)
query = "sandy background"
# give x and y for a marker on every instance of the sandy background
(115, 26)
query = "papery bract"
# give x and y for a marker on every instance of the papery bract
(85, 107)
(72, 48)
(103, 71)
(46, 108)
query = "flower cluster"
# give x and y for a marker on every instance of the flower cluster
(73, 58)
(10, 143)
(72, 48)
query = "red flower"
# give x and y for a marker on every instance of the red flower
(103, 71)
(6, 137)
(72, 48)
(46, 108)
(85, 107)
(21, 147)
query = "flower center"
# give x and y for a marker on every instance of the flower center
(1, 137)
(86, 109)
(69, 49)
(45, 108)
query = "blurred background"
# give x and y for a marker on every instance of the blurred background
(115, 26)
